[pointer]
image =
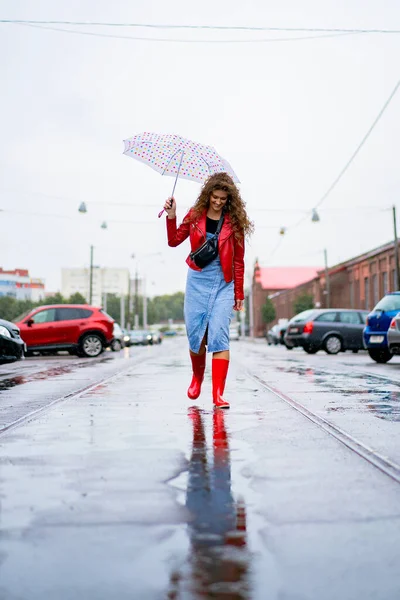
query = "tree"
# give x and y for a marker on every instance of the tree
(303, 302)
(268, 311)
(77, 298)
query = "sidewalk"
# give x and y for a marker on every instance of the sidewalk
(127, 493)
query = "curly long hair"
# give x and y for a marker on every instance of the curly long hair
(235, 207)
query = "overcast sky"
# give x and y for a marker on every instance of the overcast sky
(286, 114)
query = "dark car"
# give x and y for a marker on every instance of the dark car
(331, 329)
(138, 337)
(273, 335)
(378, 322)
(12, 347)
(81, 329)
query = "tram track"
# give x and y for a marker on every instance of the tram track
(72, 395)
(377, 460)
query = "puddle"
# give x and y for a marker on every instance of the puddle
(7, 384)
(369, 391)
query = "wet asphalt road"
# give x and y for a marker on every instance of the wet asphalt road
(113, 485)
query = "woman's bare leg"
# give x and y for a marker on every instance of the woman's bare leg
(224, 354)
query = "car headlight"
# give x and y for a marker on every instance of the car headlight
(4, 331)
(126, 338)
(149, 337)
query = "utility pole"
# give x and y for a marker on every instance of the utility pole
(251, 313)
(136, 300)
(91, 276)
(122, 311)
(144, 303)
(327, 281)
(396, 251)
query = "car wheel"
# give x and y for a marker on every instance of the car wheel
(333, 344)
(380, 355)
(288, 347)
(91, 345)
(311, 349)
(355, 351)
(116, 346)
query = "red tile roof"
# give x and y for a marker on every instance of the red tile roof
(284, 278)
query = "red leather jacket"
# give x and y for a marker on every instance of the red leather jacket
(231, 250)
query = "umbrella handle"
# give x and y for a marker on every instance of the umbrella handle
(176, 179)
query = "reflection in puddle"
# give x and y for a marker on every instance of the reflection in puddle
(368, 390)
(218, 564)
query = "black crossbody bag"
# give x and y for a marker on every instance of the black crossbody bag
(208, 251)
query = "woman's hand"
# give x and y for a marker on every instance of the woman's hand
(239, 304)
(170, 208)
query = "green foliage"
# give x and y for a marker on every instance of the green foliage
(11, 308)
(159, 309)
(268, 311)
(77, 298)
(162, 308)
(303, 302)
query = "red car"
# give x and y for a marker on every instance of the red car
(81, 329)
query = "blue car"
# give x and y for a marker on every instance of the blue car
(378, 322)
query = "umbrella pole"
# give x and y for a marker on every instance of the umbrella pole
(176, 180)
(177, 175)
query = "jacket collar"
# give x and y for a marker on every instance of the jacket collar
(226, 229)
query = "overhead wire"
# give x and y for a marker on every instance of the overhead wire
(188, 41)
(354, 154)
(202, 27)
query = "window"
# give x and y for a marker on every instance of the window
(351, 294)
(45, 316)
(328, 317)
(364, 316)
(375, 289)
(350, 318)
(303, 316)
(69, 314)
(385, 283)
(366, 292)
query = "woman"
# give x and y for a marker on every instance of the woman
(213, 291)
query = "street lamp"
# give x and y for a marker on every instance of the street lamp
(315, 216)
(83, 209)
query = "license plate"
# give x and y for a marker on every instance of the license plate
(294, 330)
(376, 339)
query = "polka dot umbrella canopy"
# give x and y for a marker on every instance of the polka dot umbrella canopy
(173, 155)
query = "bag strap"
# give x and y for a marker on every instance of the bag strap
(220, 223)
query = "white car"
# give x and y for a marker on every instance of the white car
(234, 332)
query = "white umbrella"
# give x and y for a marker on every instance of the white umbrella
(176, 156)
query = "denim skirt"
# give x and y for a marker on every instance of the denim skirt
(208, 304)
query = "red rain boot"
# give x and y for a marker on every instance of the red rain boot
(220, 368)
(198, 366)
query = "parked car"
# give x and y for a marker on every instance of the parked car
(81, 329)
(378, 322)
(393, 335)
(157, 337)
(138, 337)
(331, 329)
(118, 338)
(273, 335)
(234, 331)
(276, 335)
(12, 347)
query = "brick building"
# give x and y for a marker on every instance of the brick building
(357, 283)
